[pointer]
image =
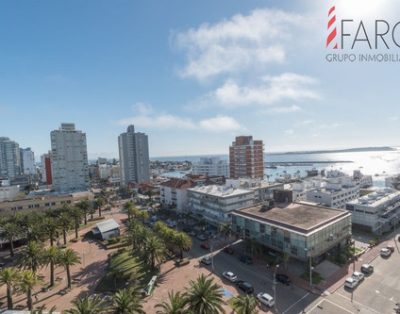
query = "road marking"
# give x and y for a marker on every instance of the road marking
(339, 306)
(294, 304)
(361, 304)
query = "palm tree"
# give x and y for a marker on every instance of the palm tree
(245, 304)
(204, 296)
(52, 258)
(99, 203)
(69, 258)
(11, 231)
(84, 206)
(87, 305)
(125, 266)
(43, 310)
(9, 277)
(50, 228)
(127, 301)
(65, 222)
(76, 215)
(182, 241)
(128, 206)
(28, 281)
(175, 305)
(154, 250)
(31, 256)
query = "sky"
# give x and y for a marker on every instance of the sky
(192, 75)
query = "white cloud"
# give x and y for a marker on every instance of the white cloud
(284, 109)
(148, 119)
(272, 90)
(240, 43)
(289, 132)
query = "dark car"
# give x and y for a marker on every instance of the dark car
(229, 250)
(245, 286)
(205, 246)
(282, 278)
(246, 259)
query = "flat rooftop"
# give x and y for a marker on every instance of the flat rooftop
(220, 190)
(300, 217)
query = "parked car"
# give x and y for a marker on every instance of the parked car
(229, 276)
(282, 278)
(358, 276)
(246, 259)
(367, 269)
(205, 246)
(229, 250)
(202, 237)
(266, 299)
(246, 287)
(391, 248)
(206, 260)
(351, 283)
(385, 252)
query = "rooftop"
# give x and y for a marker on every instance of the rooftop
(107, 225)
(179, 183)
(377, 198)
(300, 217)
(220, 190)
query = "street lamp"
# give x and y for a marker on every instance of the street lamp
(276, 268)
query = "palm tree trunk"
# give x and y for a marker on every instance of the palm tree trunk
(76, 230)
(99, 211)
(68, 277)
(29, 299)
(85, 217)
(51, 241)
(65, 236)
(9, 297)
(181, 251)
(11, 247)
(52, 274)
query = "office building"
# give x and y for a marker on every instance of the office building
(299, 230)
(211, 166)
(10, 159)
(134, 157)
(69, 160)
(28, 161)
(246, 158)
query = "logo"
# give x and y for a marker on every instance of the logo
(332, 33)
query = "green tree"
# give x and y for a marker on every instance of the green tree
(182, 241)
(245, 304)
(154, 251)
(11, 231)
(84, 206)
(99, 202)
(76, 215)
(68, 258)
(204, 296)
(50, 229)
(175, 305)
(124, 265)
(127, 301)
(27, 282)
(65, 222)
(52, 259)
(32, 256)
(9, 277)
(88, 305)
(225, 230)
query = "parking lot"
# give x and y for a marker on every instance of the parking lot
(378, 293)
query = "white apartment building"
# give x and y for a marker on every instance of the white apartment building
(215, 203)
(134, 157)
(69, 160)
(10, 159)
(378, 211)
(211, 166)
(173, 193)
(28, 161)
(333, 195)
(8, 192)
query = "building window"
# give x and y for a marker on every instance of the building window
(262, 228)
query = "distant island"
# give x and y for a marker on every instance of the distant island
(348, 150)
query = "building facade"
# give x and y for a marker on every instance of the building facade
(10, 159)
(378, 211)
(69, 159)
(8, 192)
(215, 203)
(246, 158)
(213, 166)
(28, 161)
(134, 157)
(333, 195)
(298, 230)
(47, 177)
(173, 193)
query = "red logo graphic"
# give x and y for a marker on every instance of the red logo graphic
(331, 39)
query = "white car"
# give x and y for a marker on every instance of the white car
(358, 276)
(230, 276)
(351, 283)
(266, 299)
(385, 252)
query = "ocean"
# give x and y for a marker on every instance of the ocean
(379, 164)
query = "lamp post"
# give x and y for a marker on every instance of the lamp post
(353, 242)
(274, 288)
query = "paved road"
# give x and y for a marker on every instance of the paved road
(377, 294)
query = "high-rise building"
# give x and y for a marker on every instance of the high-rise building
(134, 157)
(47, 177)
(69, 160)
(211, 166)
(246, 158)
(10, 159)
(28, 161)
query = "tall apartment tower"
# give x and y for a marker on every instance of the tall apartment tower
(28, 161)
(10, 159)
(69, 160)
(246, 158)
(134, 157)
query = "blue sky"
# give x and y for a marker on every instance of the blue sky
(190, 74)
